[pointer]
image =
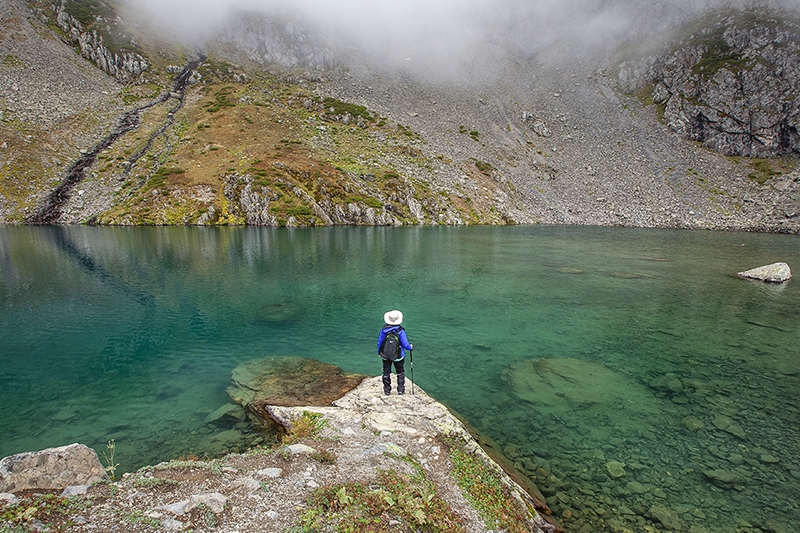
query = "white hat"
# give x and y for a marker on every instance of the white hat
(393, 318)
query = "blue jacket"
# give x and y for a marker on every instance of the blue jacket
(404, 344)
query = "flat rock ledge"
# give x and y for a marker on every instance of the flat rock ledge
(775, 273)
(409, 424)
(364, 433)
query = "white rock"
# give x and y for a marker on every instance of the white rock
(776, 272)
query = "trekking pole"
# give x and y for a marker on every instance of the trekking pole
(411, 360)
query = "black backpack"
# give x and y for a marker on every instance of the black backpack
(390, 347)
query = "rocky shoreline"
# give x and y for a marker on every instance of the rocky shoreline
(364, 442)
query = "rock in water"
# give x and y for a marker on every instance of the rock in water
(776, 273)
(564, 384)
(51, 469)
(288, 382)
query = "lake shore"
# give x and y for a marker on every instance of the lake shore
(390, 461)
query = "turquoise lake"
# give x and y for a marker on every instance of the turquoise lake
(627, 372)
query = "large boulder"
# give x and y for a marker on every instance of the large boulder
(51, 469)
(776, 273)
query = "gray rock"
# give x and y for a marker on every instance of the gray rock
(213, 500)
(665, 516)
(270, 472)
(296, 449)
(386, 447)
(170, 524)
(615, 469)
(776, 273)
(724, 479)
(51, 469)
(75, 490)
(8, 498)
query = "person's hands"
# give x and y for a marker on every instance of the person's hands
(412, 346)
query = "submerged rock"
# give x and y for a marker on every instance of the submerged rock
(288, 382)
(564, 384)
(615, 469)
(724, 479)
(776, 273)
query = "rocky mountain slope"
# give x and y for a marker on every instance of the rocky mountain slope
(272, 122)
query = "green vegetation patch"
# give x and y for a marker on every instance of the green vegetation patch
(337, 107)
(221, 100)
(394, 502)
(766, 169)
(52, 510)
(12, 61)
(719, 55)
(484, 489)
(483, 167)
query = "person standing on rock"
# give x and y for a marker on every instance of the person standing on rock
(392, 346)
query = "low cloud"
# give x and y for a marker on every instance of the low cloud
(447, 35)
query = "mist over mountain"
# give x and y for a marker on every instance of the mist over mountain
(446, 36)
(667, 114)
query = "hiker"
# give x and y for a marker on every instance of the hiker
(392, 344)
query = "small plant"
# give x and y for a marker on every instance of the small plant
(307, 426)
(137, 517)
(484, 167)
(108, 457)
(324, 456)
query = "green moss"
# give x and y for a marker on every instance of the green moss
(484, 489)
(718, 56)
(221, 100)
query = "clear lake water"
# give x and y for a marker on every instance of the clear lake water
(627, 372)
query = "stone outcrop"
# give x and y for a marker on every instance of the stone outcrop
(732, 85)
(251, 202)
(123, 65)
(51, 469)
(377, 424)
(776, 273)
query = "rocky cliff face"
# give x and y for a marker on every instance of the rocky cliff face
(123, 64)
(732, 83)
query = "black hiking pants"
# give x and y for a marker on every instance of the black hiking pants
(399, 368)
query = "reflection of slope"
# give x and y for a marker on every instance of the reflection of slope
(561, 385)
(63, 241)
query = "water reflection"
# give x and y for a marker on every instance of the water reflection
(628, 372)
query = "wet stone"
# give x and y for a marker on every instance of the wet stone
(615, 469)
(635, 487)
(289, 382)
(769, 459)
(665, 516)
(692, 423)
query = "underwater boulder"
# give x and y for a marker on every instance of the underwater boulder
(567, 384)
(288, 382)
